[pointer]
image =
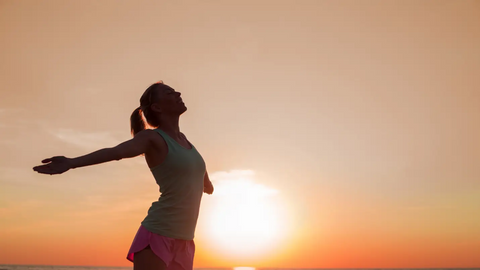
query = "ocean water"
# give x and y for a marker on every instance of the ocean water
(59, 267)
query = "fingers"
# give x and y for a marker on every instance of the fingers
(208, 190)
(42, 169)
(52, 159)
(39, 168)
(45, 169)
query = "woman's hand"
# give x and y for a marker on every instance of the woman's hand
(208, 188)
(207, 184)
(55, 165)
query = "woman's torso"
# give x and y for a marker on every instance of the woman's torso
(179, 170)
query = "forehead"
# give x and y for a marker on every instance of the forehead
(163, 89)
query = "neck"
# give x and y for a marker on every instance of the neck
(170, 125)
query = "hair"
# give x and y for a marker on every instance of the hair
(137, 122)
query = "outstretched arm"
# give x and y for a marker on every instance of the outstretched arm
(131, 148)
(207, 184)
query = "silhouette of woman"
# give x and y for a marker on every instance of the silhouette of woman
(164, 240)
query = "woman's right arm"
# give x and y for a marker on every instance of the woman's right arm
(131, 148)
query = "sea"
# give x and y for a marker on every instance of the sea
(60, 267)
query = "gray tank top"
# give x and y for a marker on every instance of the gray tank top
(180, 178)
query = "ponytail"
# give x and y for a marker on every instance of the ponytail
(143, 117)
(136, 121)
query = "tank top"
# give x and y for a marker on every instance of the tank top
(180, 177)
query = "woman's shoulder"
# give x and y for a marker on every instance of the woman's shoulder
(149, 134)
(154, 136)
(146, 133)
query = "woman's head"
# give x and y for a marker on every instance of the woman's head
(159, 100)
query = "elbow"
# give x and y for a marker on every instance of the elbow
(116, 154)
(119, 153)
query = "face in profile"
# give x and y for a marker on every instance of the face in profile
(168, 101)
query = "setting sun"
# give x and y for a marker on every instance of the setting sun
(245, 219)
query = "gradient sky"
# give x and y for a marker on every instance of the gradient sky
(360, 118)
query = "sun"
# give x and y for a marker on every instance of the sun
(246, 218)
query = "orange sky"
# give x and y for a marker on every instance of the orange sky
(359, 122)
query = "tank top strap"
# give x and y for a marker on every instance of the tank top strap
(170, 142)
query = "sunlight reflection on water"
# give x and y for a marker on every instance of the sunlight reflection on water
(243, 268)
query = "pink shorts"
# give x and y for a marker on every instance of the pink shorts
(177, 254)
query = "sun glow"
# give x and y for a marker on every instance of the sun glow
(246, 220)
(243, 268)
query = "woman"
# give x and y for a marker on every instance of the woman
(165, 237)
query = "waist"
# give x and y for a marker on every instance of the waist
(176, 221)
